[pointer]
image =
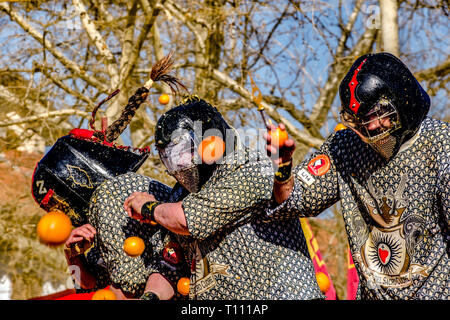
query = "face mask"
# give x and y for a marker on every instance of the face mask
(376, 126)
(180, 159)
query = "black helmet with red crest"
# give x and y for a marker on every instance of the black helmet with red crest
(382, 102)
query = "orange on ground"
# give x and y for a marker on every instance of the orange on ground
(104, 294)
(339, 126)
(164, 98)
(323, 281)
(278, 137)
(54, 228)
(183, 286)
(211, 149)
(134, 246)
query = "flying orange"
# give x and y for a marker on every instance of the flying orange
(104, 294)
(339, 126)
(183, 286)
(323, 281)
(211, 149)
(164, 98)
(54, 228)
(134, 246)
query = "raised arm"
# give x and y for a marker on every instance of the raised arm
(310, 187)
(281, 157)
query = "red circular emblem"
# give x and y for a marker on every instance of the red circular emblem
(319, 165)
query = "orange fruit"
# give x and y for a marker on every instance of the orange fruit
(183, 286)
(339, 126)
(278, 137)
(323, 281)
(104, 294)
(211, 149)
(164, 98)
(54, 228)
(134, 246)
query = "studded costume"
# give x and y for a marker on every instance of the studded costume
(396, 204)
(234, 252)
(237, 253)
(113, 226)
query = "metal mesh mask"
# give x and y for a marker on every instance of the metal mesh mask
(376, 126)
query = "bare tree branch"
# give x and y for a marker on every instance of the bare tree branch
(434, 73)
(42, 116)
(97, 39)
(337, 72)
(69, 64)
(300, 136)
(150, 18)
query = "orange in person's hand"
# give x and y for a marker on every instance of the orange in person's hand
(211, 149)
(183, 286)
(278, 137)
(104, 294)
(164, 98)
(134, 246)
(54, 228)
(323, 281)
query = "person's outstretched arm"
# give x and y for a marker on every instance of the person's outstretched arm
(169, 215)
(282, 162)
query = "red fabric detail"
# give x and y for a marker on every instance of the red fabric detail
(316, 256)
(352, 277)
(77, 296)
(81, 133)
(68, 294)
(354, 104)
(86, 134)
(47, 197)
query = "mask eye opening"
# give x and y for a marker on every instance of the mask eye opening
(380, 121)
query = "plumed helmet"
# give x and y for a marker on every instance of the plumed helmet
(66, 177)
(383, 77)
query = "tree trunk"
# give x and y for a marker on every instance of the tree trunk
(389, 26)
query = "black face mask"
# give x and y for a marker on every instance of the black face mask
(382, 83)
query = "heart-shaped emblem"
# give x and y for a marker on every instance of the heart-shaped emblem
(384, 253)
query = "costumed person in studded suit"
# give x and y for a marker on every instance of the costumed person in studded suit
(233, 249)
(78, 177)
(390, 169)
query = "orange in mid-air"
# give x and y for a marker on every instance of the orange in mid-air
(323, 281)
(104, 294)
(339, 126)
(134, 246)
(183, 286)
(211, 149)
(54, 228)
(278, 137)
(164, 98)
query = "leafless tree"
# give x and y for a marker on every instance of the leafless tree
(59, 59)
